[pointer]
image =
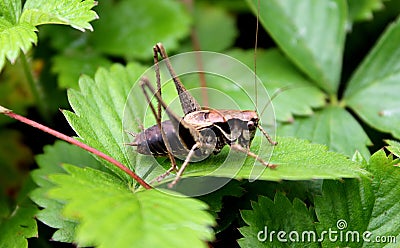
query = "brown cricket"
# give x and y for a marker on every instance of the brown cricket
(200, 132)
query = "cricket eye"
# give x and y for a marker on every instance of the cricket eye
(250, 124)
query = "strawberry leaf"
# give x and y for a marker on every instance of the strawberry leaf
(99, 112)
(18, 28)
(394, 147)
(212, 23)
(385, 213)
(124, 35)
(318, 56)
(50, 163)
(104, 204)
(75, 13)
(366, 205)
(10, 10)
(277, 73)
(373, 90)
(347, 203)
(360, 212)
(295, 160)
(363, 10)
(20, 225)
(332, 126)
(15, 37)
(278, 215)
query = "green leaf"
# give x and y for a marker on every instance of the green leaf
(295, 160)
(15, 37)
(75, 13)
(130, 28)
(71, 66)
(49, 163)
(19, 32)
(348, 204)
(332, 126)
(373, 90)
(363, 205)
(316, 47)
(281, 214)
(20, 225)
(277, 73)
(104, 204)
(347, 212)
(211, 24)
(394, 147)
(304, 190)
(99, 112)
(386, 211)
(10, 10)
(360, 10)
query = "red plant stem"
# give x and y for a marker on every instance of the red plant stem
(77, 143)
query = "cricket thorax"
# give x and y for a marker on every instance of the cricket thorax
(228, 126)
(208, 117)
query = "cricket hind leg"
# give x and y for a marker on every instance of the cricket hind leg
(188, 102)
(144, 81)
(240, 148)
(178, 124)
(158, 77)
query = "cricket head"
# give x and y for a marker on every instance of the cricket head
(243, 126)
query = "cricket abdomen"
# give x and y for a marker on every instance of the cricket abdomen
(150, 141)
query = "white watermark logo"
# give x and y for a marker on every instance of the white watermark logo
(338, 234)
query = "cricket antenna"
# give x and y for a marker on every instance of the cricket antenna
(278, 92)
(274, 95)
(255, 53)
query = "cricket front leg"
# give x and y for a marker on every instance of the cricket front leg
(272, 142)
(240, 148)
(184, 165)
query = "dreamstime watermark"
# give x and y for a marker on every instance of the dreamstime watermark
(338, 234)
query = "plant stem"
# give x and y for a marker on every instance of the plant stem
(75, 142)
(197, 47)
(35, 87)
